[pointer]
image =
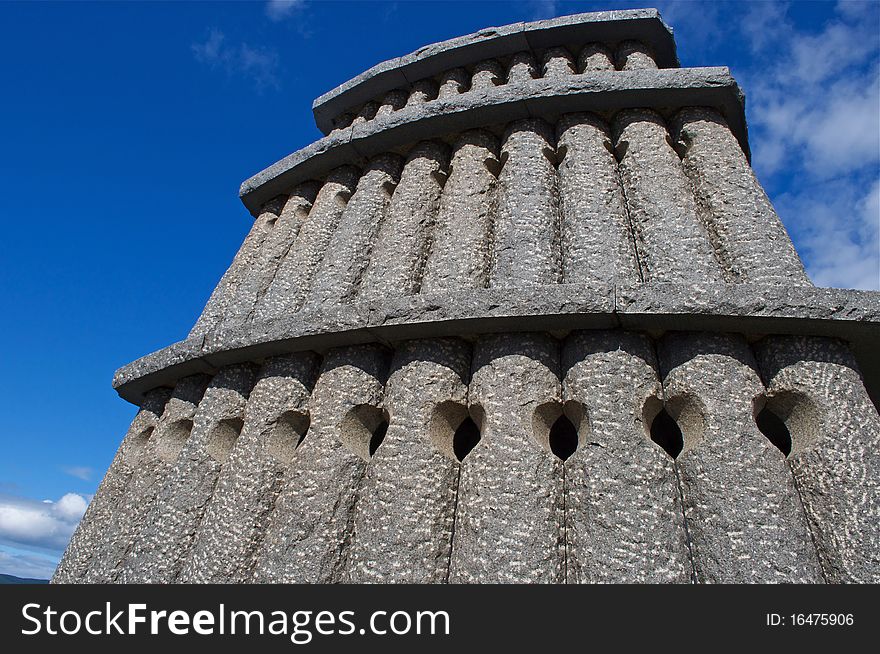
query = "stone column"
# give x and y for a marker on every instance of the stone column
(401, 249)
(635, 55)
(459, 254)
(623, 514)
(276, 420)
(405, 511)
(744, 516)
(453, 82)
(392, 101)
(672, 242)
(752, 242)
(815, 386)
(522, 68)
(509, 484)
(275, 248)
(89, 535)
(595, 57)
(487, 75)
(309, 533)
(526, 247)
(177, 513)
(557, 63)
(422, 91)
(293, 281)
(218, 303)
(347, 256)
(135, 507)
(597, 242)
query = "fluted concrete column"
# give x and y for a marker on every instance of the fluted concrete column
(557, 62)
(392, 101)
(366, 113)
(751, 240)
(272, 252)
(634, 55)
(510, 485)
(526, 248)
(487, 75)
(672, 242)
(295, 275)
(814, 385)
(745, 518)
(347, 256)
(401, 249)
(218, 304)
(597, 242)
(177, 514)
(623, 514)
(276, 419)
(423, 91)
(89, 535)
(595, 57)
(405, 512)
(460, 250)
(135, 507)
(522, 68)
(309, 531)
(453, 82)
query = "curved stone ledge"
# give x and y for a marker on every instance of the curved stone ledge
(541, 98)
(643, 25)
(653, 308)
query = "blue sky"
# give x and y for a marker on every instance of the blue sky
(126, 130)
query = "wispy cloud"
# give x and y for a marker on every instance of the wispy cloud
(80, 472)
(45, 525)
(815, 101)
(278, 10)
(256, 63)
(540, 9)
(25, 564)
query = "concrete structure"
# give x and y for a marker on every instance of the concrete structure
(524, 314)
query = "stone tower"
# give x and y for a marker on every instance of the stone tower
(524, 314)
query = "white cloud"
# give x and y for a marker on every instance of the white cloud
(23, 564)
(815, 132)
(45, 525)
(278, 10)
(541, 9)
(80, 472)
(256, 63)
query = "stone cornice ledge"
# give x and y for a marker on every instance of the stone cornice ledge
(643, 25)
(547, 98)
(654, 308)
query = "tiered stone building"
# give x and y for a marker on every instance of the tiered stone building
(524, 314)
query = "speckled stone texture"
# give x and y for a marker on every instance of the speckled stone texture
(131, 513)
(292, 282)
(558, 63)
(275, 422)
(526, 237)
(89, 535)
(405, 511)
(710, 382)
(487, 74)
(634, 55)
(248, 253)
(814, 384)
(274, 250)
(509, 525)
(751, 240)
(594, 57)
(177, 514)
(308, 535)
(348, 254)
(459, 255)
(623, 514)
(672, 243)
(398, 259)
(597, 242)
